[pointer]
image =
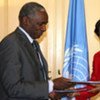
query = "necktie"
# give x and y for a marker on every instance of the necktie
(37, 48)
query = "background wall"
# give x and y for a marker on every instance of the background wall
(52, 42)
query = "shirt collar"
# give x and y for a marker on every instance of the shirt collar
(27, 35)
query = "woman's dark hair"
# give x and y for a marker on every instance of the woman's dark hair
(97, 28)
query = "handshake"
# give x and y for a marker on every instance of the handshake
(60, 84)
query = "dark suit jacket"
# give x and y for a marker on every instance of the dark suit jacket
(20, 70)
(94, 77)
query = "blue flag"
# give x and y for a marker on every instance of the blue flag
(76, 49)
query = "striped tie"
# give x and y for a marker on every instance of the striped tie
(37, 48)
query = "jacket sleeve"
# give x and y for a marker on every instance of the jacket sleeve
(11, 78)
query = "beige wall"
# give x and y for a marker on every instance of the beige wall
(53, 40)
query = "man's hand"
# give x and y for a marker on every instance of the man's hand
(54, 96)
(62, 83)
(57, 96)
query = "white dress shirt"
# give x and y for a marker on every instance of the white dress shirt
(50, 82)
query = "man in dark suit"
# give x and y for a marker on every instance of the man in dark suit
(23, 69)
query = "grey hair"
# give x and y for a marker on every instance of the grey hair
(29, 9)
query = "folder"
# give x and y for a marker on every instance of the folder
(86, 82)
(70, 90)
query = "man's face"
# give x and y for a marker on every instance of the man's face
(37, 24)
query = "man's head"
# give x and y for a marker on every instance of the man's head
(33, 19)
(97, 28)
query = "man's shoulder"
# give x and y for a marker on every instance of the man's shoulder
(11, 36)
(10, 39)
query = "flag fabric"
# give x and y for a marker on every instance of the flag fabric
(76, 48)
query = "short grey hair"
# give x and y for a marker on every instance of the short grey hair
(30, 9)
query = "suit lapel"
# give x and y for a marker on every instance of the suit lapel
(31, 50)
(24, 41)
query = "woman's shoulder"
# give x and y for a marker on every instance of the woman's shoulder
(97, 54)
